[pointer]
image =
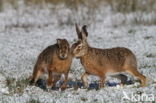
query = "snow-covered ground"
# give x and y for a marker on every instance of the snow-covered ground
(24, 33)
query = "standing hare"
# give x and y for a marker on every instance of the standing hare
(102, 61)
(56, 60)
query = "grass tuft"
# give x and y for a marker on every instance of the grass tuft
(33, 101)
(84, 99)
(150, 55)
(131, 31)
(16, 86)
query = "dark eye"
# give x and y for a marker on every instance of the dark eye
(78, 47)
(77, 50)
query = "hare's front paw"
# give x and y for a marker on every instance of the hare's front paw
(85, 85)
(63, 87)
(84, 79)
(101, 85)
(49, 85)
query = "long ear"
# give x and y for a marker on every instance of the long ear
(66, 41)
(78, 31)
(58, 42)
(84, 32)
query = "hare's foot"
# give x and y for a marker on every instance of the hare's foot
(101, 83)
(143, 79)
(64, 86)
(49, 84)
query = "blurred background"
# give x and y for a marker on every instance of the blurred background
(67, 12)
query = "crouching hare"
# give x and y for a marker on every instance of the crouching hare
(99, 62)
(55, 60)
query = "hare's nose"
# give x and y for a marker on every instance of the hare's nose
(63, 55)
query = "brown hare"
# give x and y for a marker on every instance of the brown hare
(99, 62)
(55, 60)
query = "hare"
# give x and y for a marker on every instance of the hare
(56, 60)
(99, 62)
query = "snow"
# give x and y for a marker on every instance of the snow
(26, 32)
(3, 87)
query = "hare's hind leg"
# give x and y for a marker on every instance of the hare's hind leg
(84, 79)
(135, 72)
(36, 74)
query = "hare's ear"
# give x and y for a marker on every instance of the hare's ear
(65, 40)
(84, 32)
(58, 42)
(78, 31)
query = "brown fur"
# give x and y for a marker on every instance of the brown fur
(56, 60)
(102, 61)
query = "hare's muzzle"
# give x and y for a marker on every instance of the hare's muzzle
(63, 56)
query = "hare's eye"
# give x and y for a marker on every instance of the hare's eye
(77, 50)
(78, 47)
